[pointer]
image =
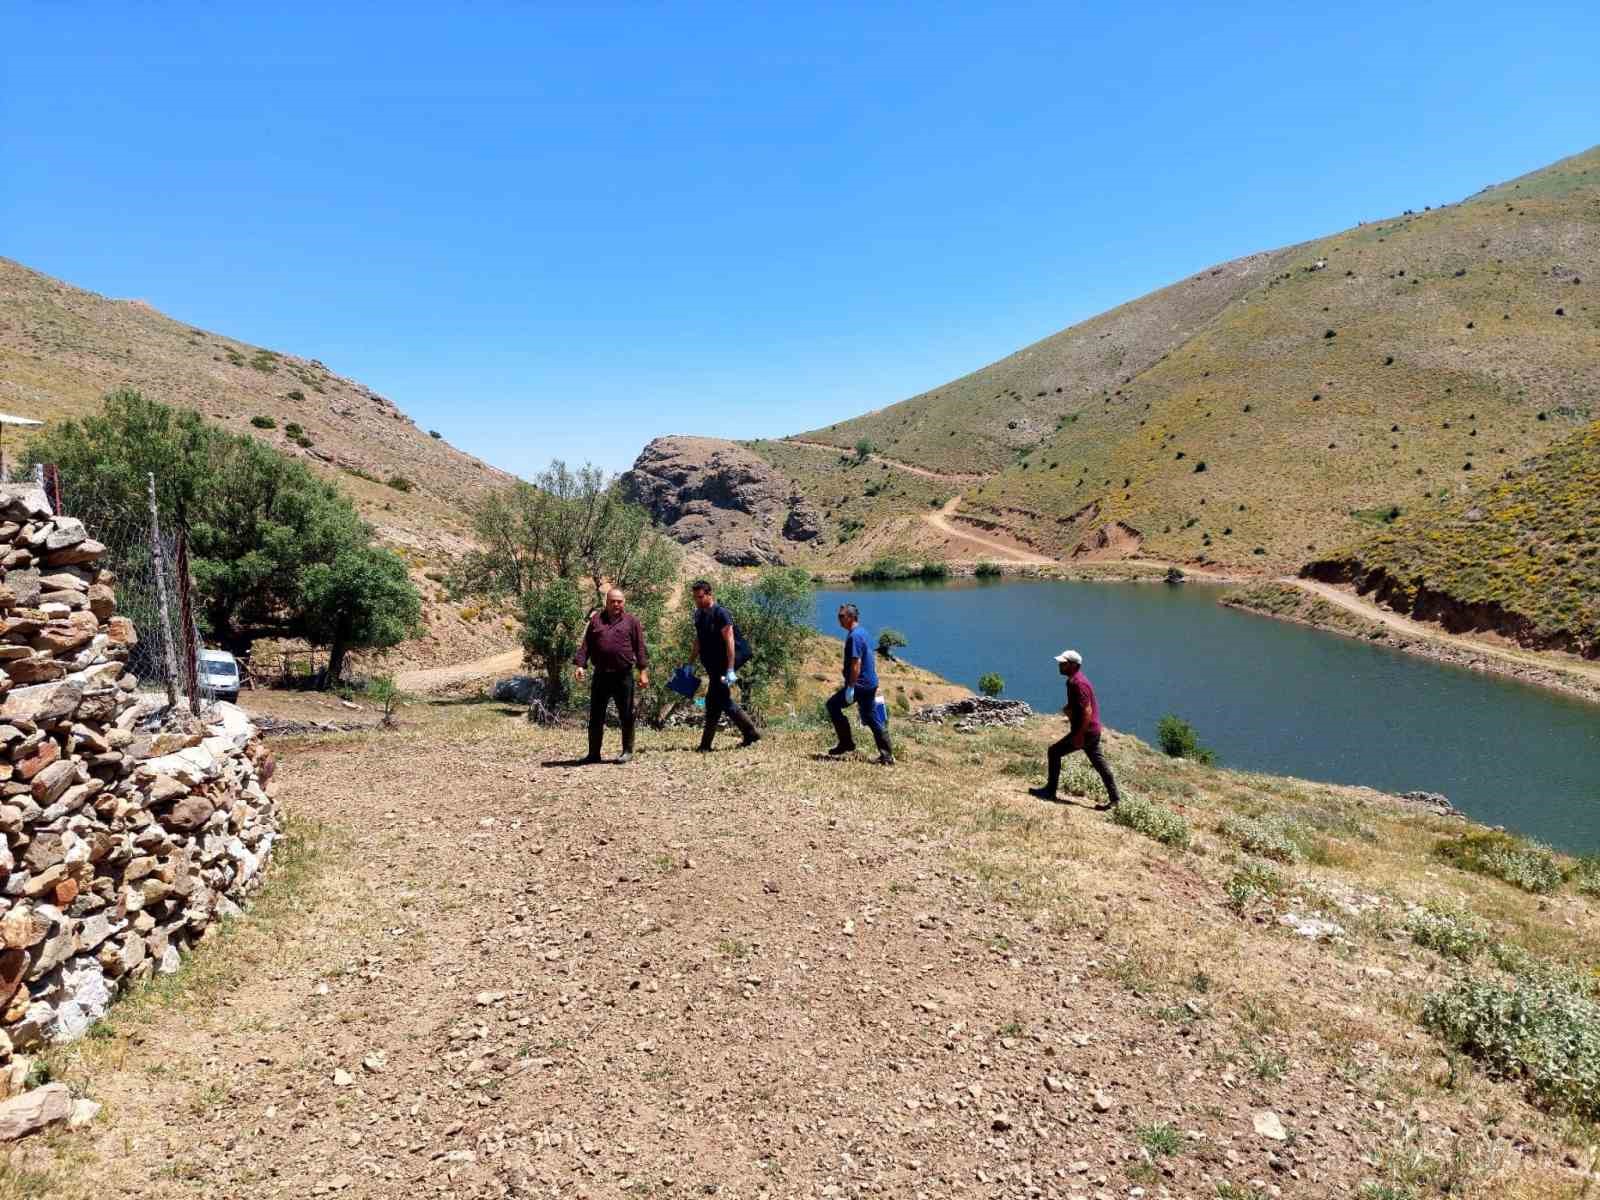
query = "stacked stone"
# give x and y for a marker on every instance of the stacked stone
(129, 829)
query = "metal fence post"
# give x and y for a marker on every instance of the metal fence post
(159, 561)
(191, 648)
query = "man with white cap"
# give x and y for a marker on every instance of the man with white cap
(1084, 733)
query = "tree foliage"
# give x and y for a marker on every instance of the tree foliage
(362, 598)
(890, 640)
(553, 547)
(990, 683)
(274, 550)
(773, 612)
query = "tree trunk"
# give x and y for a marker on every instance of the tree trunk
(543, 710)
(336, 653)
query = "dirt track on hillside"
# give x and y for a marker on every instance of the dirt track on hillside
(897, 464)
(985, 548)
(436, 679)
(1514, 659)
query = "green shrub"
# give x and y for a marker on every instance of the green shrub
(987, 570)
(889, 568)
(1540, 1031)
(1080, 779)
(265, 361)
(1518, 861)
(263, 422)
(1178, 739)
(1141, 816)
(383, 691)
(293, 429)
(1269, 839)
(1449, 929)
(434, 433)
(1586, 875)
(1160, 1139)
(890, 640)
(864, 449)
(991, 684)
(297, 395)
(401, 484)
(1254, 881)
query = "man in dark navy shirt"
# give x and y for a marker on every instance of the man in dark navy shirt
(714, 637)
(860, 688)
(1083, 711)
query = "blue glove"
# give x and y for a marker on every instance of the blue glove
(730, 678)
(849, 695)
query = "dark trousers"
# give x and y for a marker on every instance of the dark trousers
(606, 687)
(866, 703)
(719, 700)
(1091, 751)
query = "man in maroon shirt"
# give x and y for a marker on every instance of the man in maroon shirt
(1083, 710)
(615, 641)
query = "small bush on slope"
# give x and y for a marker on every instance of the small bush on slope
(1519, 862)
(1537, 1030)
(1166, 826)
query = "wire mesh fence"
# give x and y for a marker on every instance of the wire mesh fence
(153, 586)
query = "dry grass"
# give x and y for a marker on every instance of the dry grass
(1049, 921)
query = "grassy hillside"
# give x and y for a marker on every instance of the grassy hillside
(1257, 415)
(982, 421)
(62, 348)
(1520, 556)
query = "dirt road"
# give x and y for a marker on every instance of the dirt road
(897, 464)
(982, 548)
(1427, 632)
(435, 679)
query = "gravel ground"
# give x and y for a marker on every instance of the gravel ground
(755, 973)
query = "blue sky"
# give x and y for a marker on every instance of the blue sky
(561, 231)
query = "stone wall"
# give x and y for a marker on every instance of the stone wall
(129, 828)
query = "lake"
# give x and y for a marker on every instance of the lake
(1265, 695)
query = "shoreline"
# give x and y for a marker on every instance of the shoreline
(1299, 607)
(1102, 571)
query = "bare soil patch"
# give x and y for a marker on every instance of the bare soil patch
(763, 974)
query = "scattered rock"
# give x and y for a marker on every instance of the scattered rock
(977, 712)
(1268, 1125)
(33, 1111)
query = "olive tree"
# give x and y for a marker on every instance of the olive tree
(773, 611)
(553, 547)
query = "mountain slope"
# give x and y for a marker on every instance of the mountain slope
(1519, 557)
(981, 421)
(62, 348)
(1259, 413)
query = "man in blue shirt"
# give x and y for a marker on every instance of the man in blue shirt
(860, 688)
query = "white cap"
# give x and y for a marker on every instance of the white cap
(1070, 656)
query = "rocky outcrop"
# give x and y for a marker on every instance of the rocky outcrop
(129, 828)
(723, 500)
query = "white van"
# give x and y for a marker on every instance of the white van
(219, 674)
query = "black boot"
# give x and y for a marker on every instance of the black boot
(746, 727)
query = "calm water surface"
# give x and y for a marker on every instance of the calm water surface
(1266, 695)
